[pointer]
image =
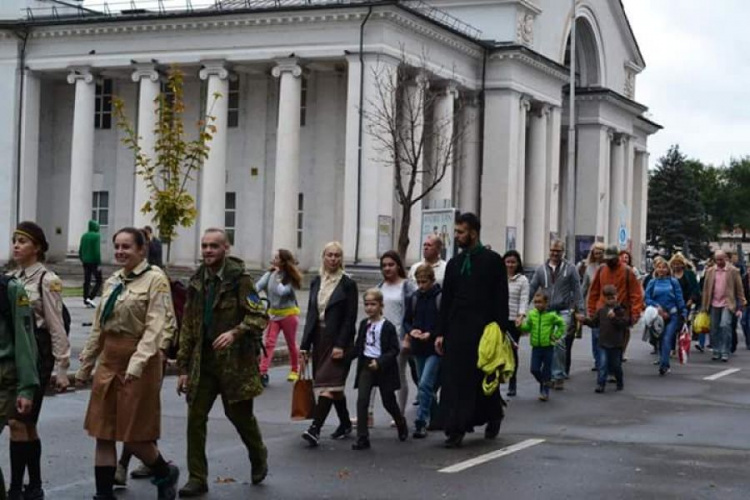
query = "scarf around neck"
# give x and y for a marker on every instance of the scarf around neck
(466, 266)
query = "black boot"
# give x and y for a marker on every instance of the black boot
(345, 423)
(454, 440)
(492, 429)
(312, 435)
(362, 443)
(105, 479)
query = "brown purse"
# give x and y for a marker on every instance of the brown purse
(303, 397)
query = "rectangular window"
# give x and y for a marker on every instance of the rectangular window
(233, 104)
(300, 217)
(303, 103)
(100, 208)
(230, 215)
(103, 105)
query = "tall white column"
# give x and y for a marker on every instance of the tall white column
(552, 222)
(617, 189)
(413, 110)
(443, 123)
(629, 181)
(147, 78)
(213, 174)
(30, 146)
(519, 207)
(536, 203)
(352, 191)
(592, 181)
(640, 205)
(286, 180)
(468, 198)
(81, 156)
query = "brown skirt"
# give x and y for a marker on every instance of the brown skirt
(120, 412)
(328, 374)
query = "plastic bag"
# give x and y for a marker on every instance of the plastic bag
(683, 344)
(702, 323)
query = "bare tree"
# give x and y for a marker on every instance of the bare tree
(419, 145)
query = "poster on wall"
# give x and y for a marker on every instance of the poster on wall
(385, 234)
(440, 222)
(583, 246)
(510, 238)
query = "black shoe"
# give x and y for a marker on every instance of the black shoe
(342, 431)
(698, 347)
(33, 493)
(264, 380)
(312, 436)
(361, 444)
(455, 440)
(403, 429)
(511, 392)
(594, 369)
(420, 430)
(166, 486)
(15, 494)
(193, 489)
(260, 470)
(663, 371)
(599, 389)
(620, 387)
(492, 429)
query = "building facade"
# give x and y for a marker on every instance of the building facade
(292, 164)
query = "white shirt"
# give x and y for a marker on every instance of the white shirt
(393, 304)
(372, 339)
(438, 267)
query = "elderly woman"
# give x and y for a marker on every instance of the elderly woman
(328, 339)
(44, 289)
(127, 340)
(664, 293)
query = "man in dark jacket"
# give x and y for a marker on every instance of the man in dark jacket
(154, 248)
(559, 280)
(89, 251)
(475, 294)
(220, 343)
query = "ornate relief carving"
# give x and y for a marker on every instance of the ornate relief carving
(629, 85)
(525, 28)
(82, 73)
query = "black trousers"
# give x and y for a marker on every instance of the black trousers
(367, 379)
(569, 339)
(515, 334)
(91, 271)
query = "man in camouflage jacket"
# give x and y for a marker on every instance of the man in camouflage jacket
(219, 346)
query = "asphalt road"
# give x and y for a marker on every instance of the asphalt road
(673, 437)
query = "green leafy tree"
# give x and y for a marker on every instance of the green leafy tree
(736, 195)
(676, 215)
(175, 161)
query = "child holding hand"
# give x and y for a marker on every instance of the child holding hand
(377, 349)
(545, 328)
(613, 323)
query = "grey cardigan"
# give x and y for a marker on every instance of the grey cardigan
(280, 296)
(564, 293)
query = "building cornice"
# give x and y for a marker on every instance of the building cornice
(531, 58)
(601, 94)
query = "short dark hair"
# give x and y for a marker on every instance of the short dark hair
(136, 233)
(148, 229)
(470, 220)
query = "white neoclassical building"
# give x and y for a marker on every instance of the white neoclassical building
(291, 164)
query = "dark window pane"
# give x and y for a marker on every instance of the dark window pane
(299, 221)
(234, 100)
(233, 119)
(98, 89)
(230, 235)
(107, 86)
(299, 239)
(230, 200)
(93, 215)
(300, 201)
(104, 199)
(229, 219)
(104, 217)
(98, 105)
(107, 104)
(106, 122)
(94, 198)
(97, 121)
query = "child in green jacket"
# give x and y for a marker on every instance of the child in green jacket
(544, 329)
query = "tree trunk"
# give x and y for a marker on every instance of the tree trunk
(403, 234)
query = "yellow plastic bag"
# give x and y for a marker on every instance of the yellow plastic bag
(702, 323)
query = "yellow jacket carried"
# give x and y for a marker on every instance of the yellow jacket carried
(495, 358)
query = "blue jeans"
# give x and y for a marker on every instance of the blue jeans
(610, 361)
(595, 346)
(428, 368)
(541, 365)
(667, 340)
(746, 325)
(558, 360)
(721, 331)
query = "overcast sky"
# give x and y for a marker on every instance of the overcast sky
(697, 73)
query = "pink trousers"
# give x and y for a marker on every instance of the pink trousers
(289, 326)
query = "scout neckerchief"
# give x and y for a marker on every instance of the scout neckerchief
(109, 306)
(466, 266)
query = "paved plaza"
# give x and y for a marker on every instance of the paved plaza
(676, 437)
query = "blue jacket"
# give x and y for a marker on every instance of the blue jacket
(667, 294)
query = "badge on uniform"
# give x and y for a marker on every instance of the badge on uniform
(162, 287)
(55, 285)
(23, 301)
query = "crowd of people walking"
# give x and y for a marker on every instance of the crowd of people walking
(425, 324)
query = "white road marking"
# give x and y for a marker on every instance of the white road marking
(723, 373)
(461, 466)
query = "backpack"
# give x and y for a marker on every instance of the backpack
(5, 305)
(65, 312)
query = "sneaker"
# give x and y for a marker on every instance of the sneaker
(420, 430)
(312, 436)
(599, 389)
(725, 358)
(716, 357)
(193, 489)
(121, 476)
(141, 472)
(292, 377)
(264, 380)
(33, 492)
(699, 348)
(90, 303)
(612, 380)
(166, 485)
(362, 443)
(663, 371)
(342, 431)
(543, 396)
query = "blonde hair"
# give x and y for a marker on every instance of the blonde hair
(661, 260)
(375, 294)
(599, 245)
(678, 258)
(331, 245)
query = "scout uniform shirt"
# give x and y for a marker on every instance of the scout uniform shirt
(17, 351)
(142, 308)
(47, 309)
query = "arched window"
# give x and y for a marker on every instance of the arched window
(587, 55)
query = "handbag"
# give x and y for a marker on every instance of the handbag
(303, 397)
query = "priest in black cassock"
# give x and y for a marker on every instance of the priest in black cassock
(475, 293)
